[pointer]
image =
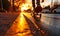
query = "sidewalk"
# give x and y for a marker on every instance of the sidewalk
(6, 20)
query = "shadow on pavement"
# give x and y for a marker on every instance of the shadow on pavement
(33, 29)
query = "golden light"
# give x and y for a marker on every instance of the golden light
(15, 4)
(20, 22)
(25, 6)
(22, 25)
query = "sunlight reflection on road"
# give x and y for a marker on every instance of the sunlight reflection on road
(20, 27)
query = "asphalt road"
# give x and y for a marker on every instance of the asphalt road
(20, 24)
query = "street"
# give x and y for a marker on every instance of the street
(29, 18)
(18, 24)
(23, 24)
(20, 27)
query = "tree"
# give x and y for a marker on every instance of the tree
(6, 4)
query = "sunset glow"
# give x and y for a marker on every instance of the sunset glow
(24, 7)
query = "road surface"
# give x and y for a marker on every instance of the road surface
(19, 24)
